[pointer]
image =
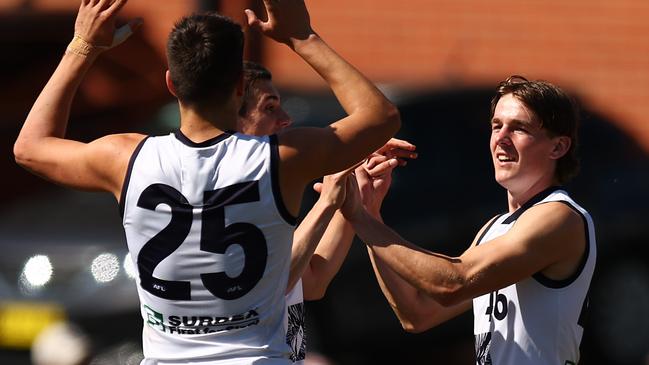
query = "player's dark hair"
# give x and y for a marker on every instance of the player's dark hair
(251, 73)
(205, 55)
(557, 111)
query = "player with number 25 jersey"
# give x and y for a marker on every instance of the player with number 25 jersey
(210, 244)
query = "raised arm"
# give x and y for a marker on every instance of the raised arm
(41, 146)
(308, 153)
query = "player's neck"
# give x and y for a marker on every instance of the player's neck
(201, 124)
(516, 198)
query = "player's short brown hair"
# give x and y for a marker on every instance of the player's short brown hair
(557, 111)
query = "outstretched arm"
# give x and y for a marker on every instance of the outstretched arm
(527, 248)
(306, 153)
(416, 310)
(41, 147)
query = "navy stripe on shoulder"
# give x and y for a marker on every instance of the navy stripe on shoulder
(274, 173)
(210, 142)
(127, 178)
(528, 204)
(557, 284)
(487, 228)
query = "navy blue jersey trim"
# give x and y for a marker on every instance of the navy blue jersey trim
(210, 142)
(274, 174)
(557, 284)
(127, 178)
(528, 204)
(491, 223)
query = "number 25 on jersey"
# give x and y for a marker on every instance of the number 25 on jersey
(216, 237)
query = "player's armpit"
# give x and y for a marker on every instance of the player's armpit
(96, 166)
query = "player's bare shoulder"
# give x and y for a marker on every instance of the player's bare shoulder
(110, 156)
(555, 226)
(123, 143)
(115, 149)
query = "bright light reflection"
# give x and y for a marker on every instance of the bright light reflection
(38, 270)
(128, 266)
(105, 267)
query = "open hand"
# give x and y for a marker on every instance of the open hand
(288, 20)
(95, 23)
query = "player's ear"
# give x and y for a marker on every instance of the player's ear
(561, 145)
(170, 84)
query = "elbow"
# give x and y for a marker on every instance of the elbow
(311, 296)
(413, 323)
(452, 291)
(393, 117)
(21, 153)
(411, 327)
(313, 291)
(448, 299)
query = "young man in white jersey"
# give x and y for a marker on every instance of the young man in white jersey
(528, 271)
(208, 214)
(323, 238)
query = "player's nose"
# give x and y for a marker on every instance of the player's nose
(503, 136)
(284, 119)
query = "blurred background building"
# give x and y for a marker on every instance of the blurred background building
(438, 60)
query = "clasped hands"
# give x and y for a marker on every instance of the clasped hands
(365, 185)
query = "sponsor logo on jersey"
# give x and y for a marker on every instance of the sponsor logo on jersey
(190, 325)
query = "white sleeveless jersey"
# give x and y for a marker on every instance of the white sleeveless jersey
(295, 324)
(537, 321)
(211, 241)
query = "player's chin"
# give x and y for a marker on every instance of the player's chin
(503, 177)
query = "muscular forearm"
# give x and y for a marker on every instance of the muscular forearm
(416, 311)
(353, 89)
(372, 120)
(406, 301)
(328, 257)
(306, 238)
(436, 275)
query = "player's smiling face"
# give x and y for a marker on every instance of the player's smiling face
(520, 149)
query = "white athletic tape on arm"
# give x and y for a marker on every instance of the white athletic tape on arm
(82, 47)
